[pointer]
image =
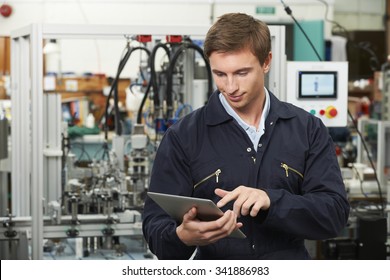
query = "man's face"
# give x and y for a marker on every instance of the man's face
(240, 78)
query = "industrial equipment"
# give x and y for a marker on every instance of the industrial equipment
(320, 88)
(3, 135)
(61, 199)
(98, 200)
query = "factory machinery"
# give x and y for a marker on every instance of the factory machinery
(65, 206)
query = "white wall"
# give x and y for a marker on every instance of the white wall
(354, 14)
(360, 14)
(105, 12)
(102, 56)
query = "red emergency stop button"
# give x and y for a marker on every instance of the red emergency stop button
(330, 112)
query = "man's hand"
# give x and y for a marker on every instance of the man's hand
(194, 232)
(247, 200)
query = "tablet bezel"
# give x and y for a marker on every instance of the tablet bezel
(176, 206)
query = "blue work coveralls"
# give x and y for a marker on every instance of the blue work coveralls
(295, 164)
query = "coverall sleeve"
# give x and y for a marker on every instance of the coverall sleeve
(170, 174)
(321, 209)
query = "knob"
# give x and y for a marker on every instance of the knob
(330, 112)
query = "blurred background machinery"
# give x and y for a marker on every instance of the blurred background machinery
(79, 177)
(79, 180)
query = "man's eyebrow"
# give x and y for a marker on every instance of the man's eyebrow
(217, 72)
(245, 69)
(237, 71)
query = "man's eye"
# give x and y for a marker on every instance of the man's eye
(242, 73)
(219, 74)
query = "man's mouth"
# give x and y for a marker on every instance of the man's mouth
(235, 98)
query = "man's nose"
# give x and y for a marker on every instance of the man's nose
(231, 85)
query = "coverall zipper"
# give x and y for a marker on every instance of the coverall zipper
(216, 174)
(287, 168)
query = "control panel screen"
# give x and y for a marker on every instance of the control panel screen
(318, 84)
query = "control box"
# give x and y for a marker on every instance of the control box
(320, 88)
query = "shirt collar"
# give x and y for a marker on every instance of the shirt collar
(240, 121)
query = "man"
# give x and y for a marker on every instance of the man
(270, 166)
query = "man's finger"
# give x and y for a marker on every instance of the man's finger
(227, 196)
(190, 215)
(220, 192)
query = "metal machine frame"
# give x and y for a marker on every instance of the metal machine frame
(381, 150)
(36, 119)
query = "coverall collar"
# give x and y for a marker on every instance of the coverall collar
(216, 113)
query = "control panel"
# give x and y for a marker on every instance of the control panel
(321, 88)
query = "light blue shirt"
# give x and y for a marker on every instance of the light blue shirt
(253, 132)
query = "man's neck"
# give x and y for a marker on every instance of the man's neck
(251, 115)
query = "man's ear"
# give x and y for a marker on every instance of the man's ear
(267, 63)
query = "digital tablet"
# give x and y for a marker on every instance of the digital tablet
(176, 206)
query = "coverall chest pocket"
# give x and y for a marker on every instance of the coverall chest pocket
(288, 173)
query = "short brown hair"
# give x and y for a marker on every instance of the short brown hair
(237, 31)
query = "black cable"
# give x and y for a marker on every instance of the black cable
(140, 109)
(168, 94)
(83, 151)
(343, 29)
(118, 127)
(360, 180)
(289, 12)
(152, 81)
(153, 74)
(374, 61)
(178, 53)
(365, 46)
(105, 149)
(371, 163)
(121, 65)
(114, 89)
